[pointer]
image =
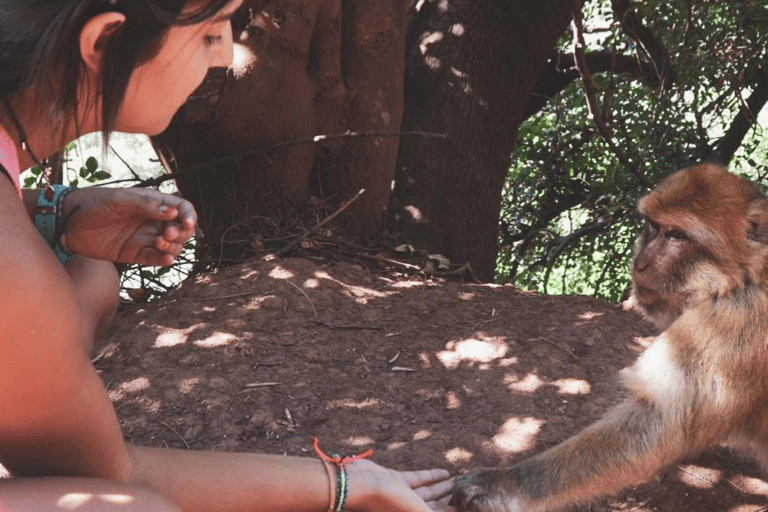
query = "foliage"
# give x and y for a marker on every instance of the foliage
(567, 221)
(138, 283)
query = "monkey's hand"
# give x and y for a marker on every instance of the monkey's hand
(487, 490)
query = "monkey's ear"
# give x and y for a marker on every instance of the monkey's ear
(757, 218)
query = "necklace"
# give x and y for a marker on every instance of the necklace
(22, 135)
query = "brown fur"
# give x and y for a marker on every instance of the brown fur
(699, 272)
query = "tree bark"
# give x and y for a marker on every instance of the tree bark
(302, 68)
(471, 66)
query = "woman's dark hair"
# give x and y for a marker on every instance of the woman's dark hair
(40, 47)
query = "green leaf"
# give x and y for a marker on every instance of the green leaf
(29, 182)
(92, 164)
(102, 175)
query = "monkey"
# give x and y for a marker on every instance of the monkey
(699, 273)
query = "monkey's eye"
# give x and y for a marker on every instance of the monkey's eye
(676, 234)
(652, 227)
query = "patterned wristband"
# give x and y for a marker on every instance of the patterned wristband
(48, 218)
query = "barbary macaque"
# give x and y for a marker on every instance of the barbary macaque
(700, 273)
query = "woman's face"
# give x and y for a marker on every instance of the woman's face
(161, 85)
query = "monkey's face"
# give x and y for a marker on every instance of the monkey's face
(666, 257)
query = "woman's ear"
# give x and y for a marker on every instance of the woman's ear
(94, 37)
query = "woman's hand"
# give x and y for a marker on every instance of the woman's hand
(127, 225)
(373, 488)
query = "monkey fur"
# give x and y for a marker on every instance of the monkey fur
(699, 273)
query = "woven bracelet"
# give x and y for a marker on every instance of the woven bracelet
(339, 498)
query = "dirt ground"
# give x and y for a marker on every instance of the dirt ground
(264, 356)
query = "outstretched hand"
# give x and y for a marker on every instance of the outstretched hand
(374, 488)
(127, 225)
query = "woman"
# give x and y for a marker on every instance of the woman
(76, 66)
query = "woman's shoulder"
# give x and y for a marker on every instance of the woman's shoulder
(9, 162)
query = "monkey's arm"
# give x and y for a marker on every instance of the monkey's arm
(671, 414)
(627, 446)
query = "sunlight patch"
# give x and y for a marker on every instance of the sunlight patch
(312, 283)
(348, 403)
(473, 351)
(422, 435)
(590, 315)
(573, 387)
(527, 384)
(517, 435)
(457, 455)
(750, 484)
(217, 339)
(280, 273)
(135, 385)
(359, 441)
(361, 293)
(699, 477)
(407, 284)
(172, 337)
(74, 500)
(187, 385)
(249, 274)
(452, 402)
(396, 445)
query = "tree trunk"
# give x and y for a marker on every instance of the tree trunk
(302, 68)
(471, 66)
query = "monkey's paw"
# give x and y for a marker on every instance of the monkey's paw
(486, 490)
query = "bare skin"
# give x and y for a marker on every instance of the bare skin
(62, 441)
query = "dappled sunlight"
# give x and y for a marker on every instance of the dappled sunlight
(311, 283)
(396, 445)
(281, 273)
(186, 386)
(458, 455)
(248, 274)
(171, 337)
(517, 435)
(471, 350)
(422, 435)
(589, 315)
(257, 303)
(528, 384)
(348, 403)
(458, 29)
(217, 339)
(135, 385)
(750, 485)
(531, 383)
(407, 284)
(358, 441)
(75, 500)
(698, 476)
(452, 401)
(573, 387)
(361, 294)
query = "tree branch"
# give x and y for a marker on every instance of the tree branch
(742, 123)
(646, 40)
(554, 78)
(232, 161)
(589, 91)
